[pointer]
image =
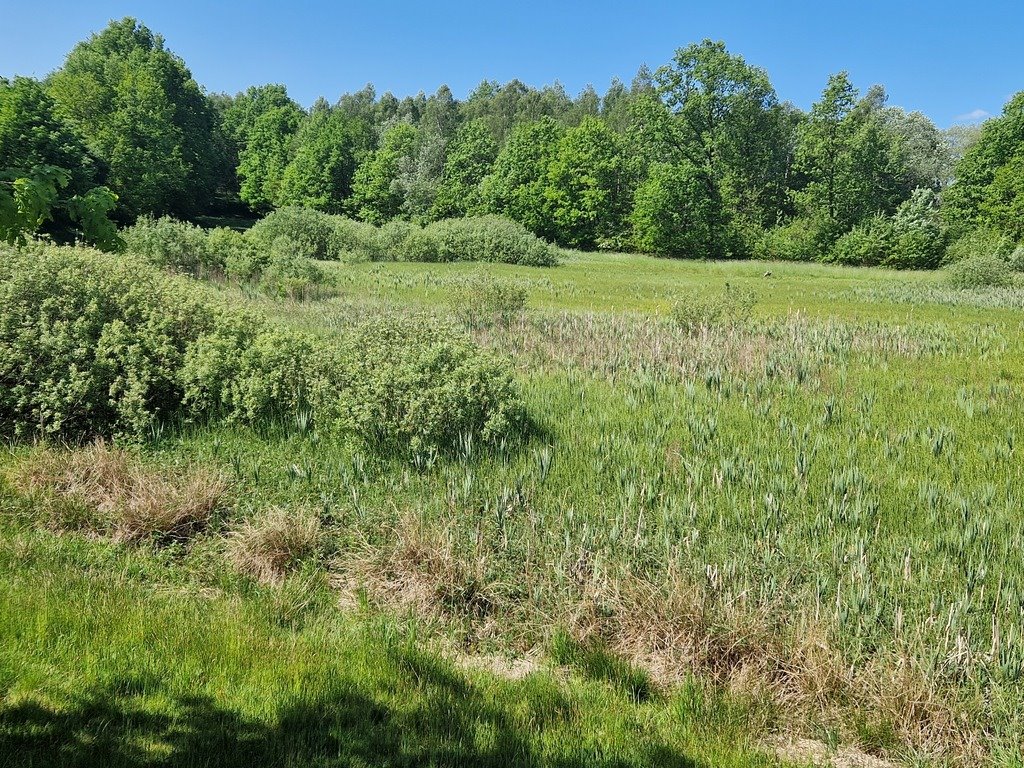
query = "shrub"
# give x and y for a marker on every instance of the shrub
(700, 312)
(1016, 260)
(419, 245)
(489, 238)
(979, 242)
(866, 245)
(353, 240)
(391, 238)
(481, 300)
(289, 275)
(172, 244)
(241, 258)
(418, 385)
(313, 232)
(673, 214)
(95, 345)
(797, 240)
(90, 344)
(980, 272)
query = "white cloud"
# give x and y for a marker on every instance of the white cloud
(974, 115)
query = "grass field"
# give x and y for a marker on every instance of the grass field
(805, 522)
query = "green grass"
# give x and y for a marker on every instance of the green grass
(819, 510)
(105, 662)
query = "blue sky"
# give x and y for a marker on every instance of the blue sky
(951, 60)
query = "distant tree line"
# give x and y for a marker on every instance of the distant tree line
(699, 158)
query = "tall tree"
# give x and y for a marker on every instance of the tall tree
(328, 147)
(517, 186)
(143, 115)
(470, 158)
(587, 190)
(377, 195)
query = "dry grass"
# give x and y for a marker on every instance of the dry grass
(107, 491)
(672, 630)
(270, 546)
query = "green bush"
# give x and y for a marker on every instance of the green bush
(90, 344)
(798, 240)
(241, 259)
(313, 232)
(482, 300)
(353, 240)
(979, 242)
(94, 345)
(172, 244)
(701, 311)
(419, 245)
(290, 275)
(866, 245)
(980, 272)
(1016, 260)
(391, 238)
(489, 238)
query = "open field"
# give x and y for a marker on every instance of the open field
(807, 521)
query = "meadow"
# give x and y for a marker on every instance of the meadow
(728, 523)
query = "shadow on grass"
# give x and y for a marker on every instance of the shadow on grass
(131, 723)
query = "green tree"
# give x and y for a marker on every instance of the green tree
(988, 176)
(517, 186)
(731, 126)
(587, 191)
(47, 177)
(268, 151)
(849, 161)
(675, 214)
(329, 146)
(470, 158)
(143, 116)
(377, 195)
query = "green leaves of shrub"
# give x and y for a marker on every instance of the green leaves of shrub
(983, 271)
(92, 345)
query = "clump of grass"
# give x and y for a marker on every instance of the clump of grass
(109, 492)
(699, 312)
(275, 543)
(482, 300)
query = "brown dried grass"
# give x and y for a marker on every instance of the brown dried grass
(274, 543)
(108, 491)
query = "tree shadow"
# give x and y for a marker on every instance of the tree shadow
(452, 724)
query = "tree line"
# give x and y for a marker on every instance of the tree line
(699, 158)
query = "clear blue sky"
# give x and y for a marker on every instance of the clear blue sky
(947, 59)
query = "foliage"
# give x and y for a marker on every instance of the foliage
(90, 345)
(469, 160)
(587, 191)
(981, 271)
(918, 232)
(675, 214)
(990, 176)
(983, 241)
(95, 346)
(147, 120)
(177, 245)
(517, 186)
(312, 232)
(289, 274)
(796, 240)
(868, 244)
(265, 157)
(488, 238)
(376, 195)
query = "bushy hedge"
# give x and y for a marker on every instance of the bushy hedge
(980, 272)
(93, 345)
(177, 245)
(489, 238)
